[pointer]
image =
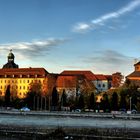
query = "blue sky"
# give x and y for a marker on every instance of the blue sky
(98, 35)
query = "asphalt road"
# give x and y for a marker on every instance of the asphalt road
(45, 121)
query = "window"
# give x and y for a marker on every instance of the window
(28, 81)
(103, 85)
(99, 85)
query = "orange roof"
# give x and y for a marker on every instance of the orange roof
(100, 77)
(109, 77)
(88, 74)
(66, 81)
(23, 71)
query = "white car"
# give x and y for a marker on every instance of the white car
(25, 109)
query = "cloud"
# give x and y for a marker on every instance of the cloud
(109, 61)
(32, 49)
(108, 56)
(83, 27)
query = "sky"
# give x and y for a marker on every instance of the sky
(98, 35)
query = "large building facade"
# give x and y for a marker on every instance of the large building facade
(20, 80)
(134, 77)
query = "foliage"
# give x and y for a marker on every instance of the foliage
(7, 96)
(123, 99)
(86, 87)
(16, 103)
(116, 79)
(33, 96)
(114, 101)
(36, 88)
(64, 99)
(54, 97)
(92, 101)
(105, 103)
(81, 103)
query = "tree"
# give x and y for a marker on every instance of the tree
(81, 103)
(54, 99)
(116, 79)
(33, 98)
(87, 87)
(123, 104)
(7, 96)
(105, 103)
(114, 101)
(92, 101)
(63, 99)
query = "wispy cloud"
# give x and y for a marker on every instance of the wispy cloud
(32, 49)
(108, 56)
(109, 60)
(83, 26)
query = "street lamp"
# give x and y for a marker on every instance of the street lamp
(130, 103)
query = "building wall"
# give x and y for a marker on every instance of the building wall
(137, 67)
(134, 78)
(101, 85)
(69, 91)
(19, 86)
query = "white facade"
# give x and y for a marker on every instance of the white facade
(101, 85)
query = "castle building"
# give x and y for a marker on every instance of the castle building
(134, 77)
(21, 79)
(10, 63)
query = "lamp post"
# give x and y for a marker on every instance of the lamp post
(130, 103)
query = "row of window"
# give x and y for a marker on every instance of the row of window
(20, 94)
(20, 81)
(23, 76)
(16, 87)
(99, 85)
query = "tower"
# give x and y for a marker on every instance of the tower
(10, 63)
(11, 57)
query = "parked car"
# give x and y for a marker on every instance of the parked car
(77, 110)
(24, 109)
(122, 110)
(133, 111)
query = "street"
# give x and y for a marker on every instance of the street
(46, 121)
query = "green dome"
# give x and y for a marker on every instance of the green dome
(11, 55)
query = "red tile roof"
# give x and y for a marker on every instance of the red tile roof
(88, 74)
(138, 63)
(23, 71)
(109, 77)
(100, 77)
(134, 74)
(66, 81)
